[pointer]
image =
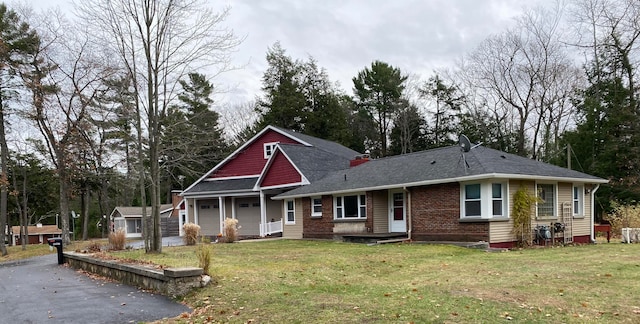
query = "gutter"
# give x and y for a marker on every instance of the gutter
(593, 209)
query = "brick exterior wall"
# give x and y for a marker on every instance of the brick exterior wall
(435, 215)
(318, 227)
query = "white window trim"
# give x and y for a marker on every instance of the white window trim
(504, 197)
(268, 149)
(463, 200)
(555, 200)
(580, 212)
(360, 204)
(486, 199)
(287, 210)
(313, 212)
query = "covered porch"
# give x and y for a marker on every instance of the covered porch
(257, 214)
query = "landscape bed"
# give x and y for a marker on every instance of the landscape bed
(325, 281)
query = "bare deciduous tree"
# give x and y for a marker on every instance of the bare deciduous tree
(525, 77)
(158, 43)
(64, 78)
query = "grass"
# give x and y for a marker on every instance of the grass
(16, 252)
(329, 282)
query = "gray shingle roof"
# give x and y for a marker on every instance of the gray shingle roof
(437, 166)
(137, 211)
(221, 186)
(315, 163)
(327, 146)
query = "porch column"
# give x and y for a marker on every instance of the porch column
(233, 207)
(180, 222)
(263, 214)
(195, 212)
(221, 211)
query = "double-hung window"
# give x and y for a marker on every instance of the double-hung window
(472, 201)
(578, 199)
(350, 207)
(289, 212)
(546, 207)
(269, 148)
(484, 200)
(316, 206)
(497, 200)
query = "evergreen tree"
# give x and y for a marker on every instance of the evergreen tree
(378, 90)
(606, 140)
(18, 42)
(284, 103)
(445, 113)
(409, 131)
(192, 138)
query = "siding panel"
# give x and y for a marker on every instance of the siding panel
(295, 231)
(503, 231)
(380, 211)
(251, 160)
(280, 172)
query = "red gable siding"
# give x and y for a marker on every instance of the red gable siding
(251, 161)
(280, 172)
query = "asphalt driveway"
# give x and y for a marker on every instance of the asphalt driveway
(38, 290)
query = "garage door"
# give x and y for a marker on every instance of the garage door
(209, 217)
(248, 215)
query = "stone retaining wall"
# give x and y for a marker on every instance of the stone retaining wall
(170, 281)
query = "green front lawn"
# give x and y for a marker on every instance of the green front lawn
(291, 281)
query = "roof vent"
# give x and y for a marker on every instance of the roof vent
(502, 156)
(433, 162)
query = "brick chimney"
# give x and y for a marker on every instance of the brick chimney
(360, 159)
(175, 201)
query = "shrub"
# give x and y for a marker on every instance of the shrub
(521, 211)
(230, 230)
(117, 239)
(623, 216)
(204, 252)
(191, 233)
(94, 246)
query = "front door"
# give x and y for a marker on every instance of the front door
(397, 212)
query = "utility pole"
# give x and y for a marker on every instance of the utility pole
(569, 156)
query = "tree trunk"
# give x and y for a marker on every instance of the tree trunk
(4, 181)
(64, 200)
(85, 213)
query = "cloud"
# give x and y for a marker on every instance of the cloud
(346, 36)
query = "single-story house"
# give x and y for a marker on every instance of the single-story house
(130, 219)
(37, 234)
(241, 186)
(305, 187)
(444, 194)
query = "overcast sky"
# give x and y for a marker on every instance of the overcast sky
(345, 36)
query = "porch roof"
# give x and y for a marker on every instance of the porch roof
(222, 186)
(128, 211)
(440, 165)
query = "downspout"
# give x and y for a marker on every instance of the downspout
(593, 209)
(408, 213)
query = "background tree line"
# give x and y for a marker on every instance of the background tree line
(124, 113)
